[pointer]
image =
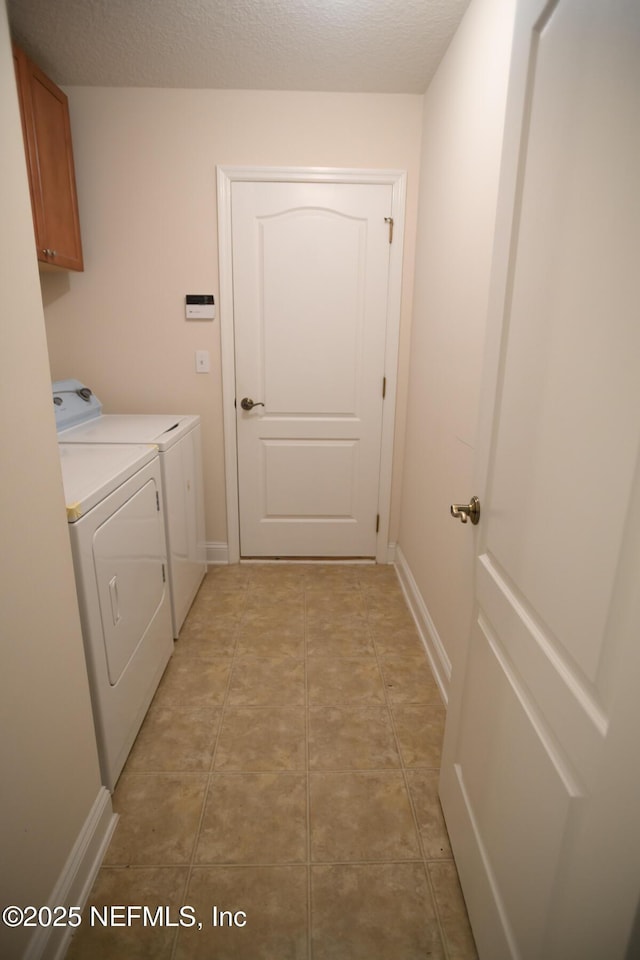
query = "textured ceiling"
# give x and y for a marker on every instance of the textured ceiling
(387, 46)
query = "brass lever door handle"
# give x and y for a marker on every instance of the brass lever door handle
(466, 511)
(248, 404)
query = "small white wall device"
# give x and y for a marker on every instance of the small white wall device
(200, 306)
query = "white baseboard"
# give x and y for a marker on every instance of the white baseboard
(436, 653)
(77, 877)
(217, 552)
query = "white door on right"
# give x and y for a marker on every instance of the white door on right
(541, 768)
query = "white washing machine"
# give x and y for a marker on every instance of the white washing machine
(79, 419)
(116, 525)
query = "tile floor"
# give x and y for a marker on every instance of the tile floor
(287, 771)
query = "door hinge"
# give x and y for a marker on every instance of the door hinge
(157, 501)
(389, 220)
(164, 574)
(384, 387)
(378, 523)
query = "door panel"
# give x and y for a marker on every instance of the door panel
(564, 702)
(529, 749)
(310, 285)
(290, 472)
(507, 751)
(313, 327)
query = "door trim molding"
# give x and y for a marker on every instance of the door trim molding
(226, 175)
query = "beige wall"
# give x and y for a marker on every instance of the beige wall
(146, 171)
(48, 757)
(462, 134)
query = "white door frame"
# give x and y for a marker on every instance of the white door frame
(225, 177)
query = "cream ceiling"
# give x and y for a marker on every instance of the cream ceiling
(389, 46)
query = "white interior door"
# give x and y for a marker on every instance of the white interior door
(540, 781)
(310, 293)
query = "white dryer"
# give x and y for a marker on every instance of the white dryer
(79, 419)
(116, 526)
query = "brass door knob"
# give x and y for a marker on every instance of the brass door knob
(466, 511)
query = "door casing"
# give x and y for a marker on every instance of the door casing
(226, 175)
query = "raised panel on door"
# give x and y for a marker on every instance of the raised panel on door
(507, 751)
(312, 304)
(310, 269)
(290, 470)
(528, 739)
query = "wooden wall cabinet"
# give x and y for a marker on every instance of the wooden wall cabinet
(47, 139)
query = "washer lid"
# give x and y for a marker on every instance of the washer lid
(90, 472)
(163, 429)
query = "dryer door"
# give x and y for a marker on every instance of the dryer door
(128, 555)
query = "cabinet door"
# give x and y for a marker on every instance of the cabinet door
(45, 117)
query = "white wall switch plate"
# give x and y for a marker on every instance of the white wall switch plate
(203, 363)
